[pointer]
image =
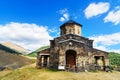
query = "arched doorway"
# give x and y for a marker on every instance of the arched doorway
(70, 58)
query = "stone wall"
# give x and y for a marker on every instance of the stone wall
(71, 29)
(82, 59)
(85, 53)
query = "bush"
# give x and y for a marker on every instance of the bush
(114, 60)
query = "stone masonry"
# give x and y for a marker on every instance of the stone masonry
(72, 52)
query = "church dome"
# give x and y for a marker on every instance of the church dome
(71, 27)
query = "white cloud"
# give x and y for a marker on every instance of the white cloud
(62, 19)
(101, 48)
(29, 36)
(114, 50)
(54, 32)
(63, 11)
(113, 16)
(95, 9)
(105, 42)
(65, 14)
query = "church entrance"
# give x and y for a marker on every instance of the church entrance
(70, 59)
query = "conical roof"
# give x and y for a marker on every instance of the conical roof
(70, 22)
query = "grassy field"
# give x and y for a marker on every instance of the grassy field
(30, 73)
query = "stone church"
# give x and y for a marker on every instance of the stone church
(72, 52)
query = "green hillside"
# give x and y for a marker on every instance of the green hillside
(34, 53)
(114, 60)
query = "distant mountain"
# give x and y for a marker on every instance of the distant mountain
(13, 47)
(34, 53)
(9, 57)
(7, 49)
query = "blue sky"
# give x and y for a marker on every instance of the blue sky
(31, 23)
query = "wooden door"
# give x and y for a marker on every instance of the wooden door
(70, 58)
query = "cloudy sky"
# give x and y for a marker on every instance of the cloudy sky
(32, 23)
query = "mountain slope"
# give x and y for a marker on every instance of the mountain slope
(12, 61)
(15, 47)
(9, 50)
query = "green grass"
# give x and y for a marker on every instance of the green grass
(34, 53)
(31, 73)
